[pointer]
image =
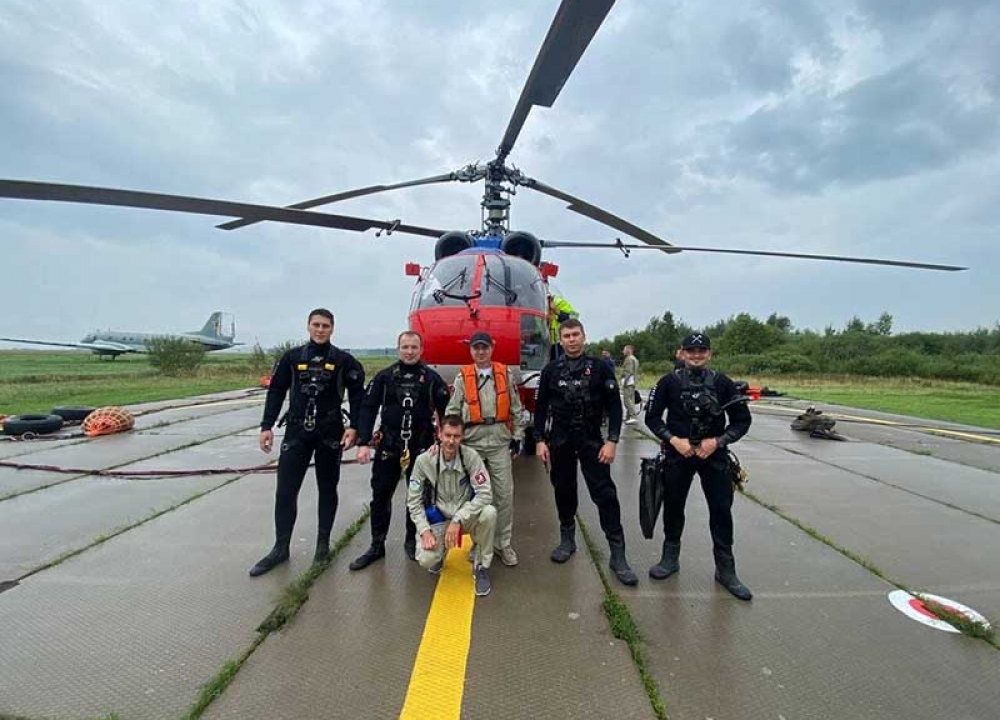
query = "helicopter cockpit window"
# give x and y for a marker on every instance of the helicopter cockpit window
(448, 283)
(512, 282)
(534, 342)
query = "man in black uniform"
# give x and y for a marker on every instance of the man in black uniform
(408, 392)
(316, 375)
(574, 394)
(697, 401)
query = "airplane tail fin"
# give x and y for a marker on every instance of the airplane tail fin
(219, 325)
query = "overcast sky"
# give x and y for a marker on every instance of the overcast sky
(864, 127)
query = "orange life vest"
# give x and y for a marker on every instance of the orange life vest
(469, 378)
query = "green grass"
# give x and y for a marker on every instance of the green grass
(960, 402)
(36, 381)
(624, 628)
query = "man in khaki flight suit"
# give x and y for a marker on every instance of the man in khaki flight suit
(494, 427)
(449, 492)
(630, 376)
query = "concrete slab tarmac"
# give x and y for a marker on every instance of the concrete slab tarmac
(541, 646)
(136, 625)
(819, 640)
(41, 526)
(115, 450)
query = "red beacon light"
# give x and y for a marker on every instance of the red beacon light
(548, 270)
(413, 269)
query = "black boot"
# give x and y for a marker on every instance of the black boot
(278, 555)
(567, 545)
(725, 572)
(669, 562)
(322, 553)
(619, 565)
(373, 553)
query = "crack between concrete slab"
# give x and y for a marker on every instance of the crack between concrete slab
(293, 597)
(880, 481)
(624, 628)
(816, 535)
(191, 444)
(104, 538)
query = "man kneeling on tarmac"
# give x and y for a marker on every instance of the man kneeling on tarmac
(449, 492)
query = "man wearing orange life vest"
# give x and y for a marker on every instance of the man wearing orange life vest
(485, 395)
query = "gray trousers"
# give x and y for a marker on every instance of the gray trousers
(482, 528)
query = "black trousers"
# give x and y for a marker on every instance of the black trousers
(386, 474)
(718, 489)
(597, 475)
(297, 449)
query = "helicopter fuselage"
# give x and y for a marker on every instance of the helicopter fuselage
(481, 289)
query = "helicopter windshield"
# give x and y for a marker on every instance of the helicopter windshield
(449, 284)
(512, 282)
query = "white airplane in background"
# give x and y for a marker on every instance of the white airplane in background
(217, 334)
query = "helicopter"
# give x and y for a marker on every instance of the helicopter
(491, 278)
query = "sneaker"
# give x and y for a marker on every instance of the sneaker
(435, 569)
(507, 556)
(472, 557)
(483, 584)
(631, 421)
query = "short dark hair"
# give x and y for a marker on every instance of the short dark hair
(453, 420)
(570, 324)
(409, 333)
(323, 312)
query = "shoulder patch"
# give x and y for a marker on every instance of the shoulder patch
(414, 484)
(480, 477)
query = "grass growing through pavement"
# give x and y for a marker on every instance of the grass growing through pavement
(292, 599)
(958, 620)
(962, 623)
(624, 628)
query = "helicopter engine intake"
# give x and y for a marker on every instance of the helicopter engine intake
(452, 243)
(523, 245)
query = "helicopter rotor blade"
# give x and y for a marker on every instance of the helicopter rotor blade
(765, 253)
(327, 199)
(26, 190)
(600, 215)
(574, 26)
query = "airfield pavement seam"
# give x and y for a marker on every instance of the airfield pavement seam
(812, 532)
(193, 443)
(624, 627)
(829, 463)
(104, 538)
(293, 597)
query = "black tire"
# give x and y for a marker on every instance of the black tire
(37, 424)
(528, 446)
(73, 413)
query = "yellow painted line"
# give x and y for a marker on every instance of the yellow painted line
(438, 678)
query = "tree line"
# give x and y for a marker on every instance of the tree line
(744, 345)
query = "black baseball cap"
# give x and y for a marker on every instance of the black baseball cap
(697, 340)
(480, 338)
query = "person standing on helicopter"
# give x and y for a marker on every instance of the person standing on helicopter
(485, 396)
(559, 311)
(408, 392)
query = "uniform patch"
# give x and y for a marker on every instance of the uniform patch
(480, 477)
(414, 484)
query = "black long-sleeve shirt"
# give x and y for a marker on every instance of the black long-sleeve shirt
(430, 394)
(666, 397)
(347, 375)
(576, 393)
